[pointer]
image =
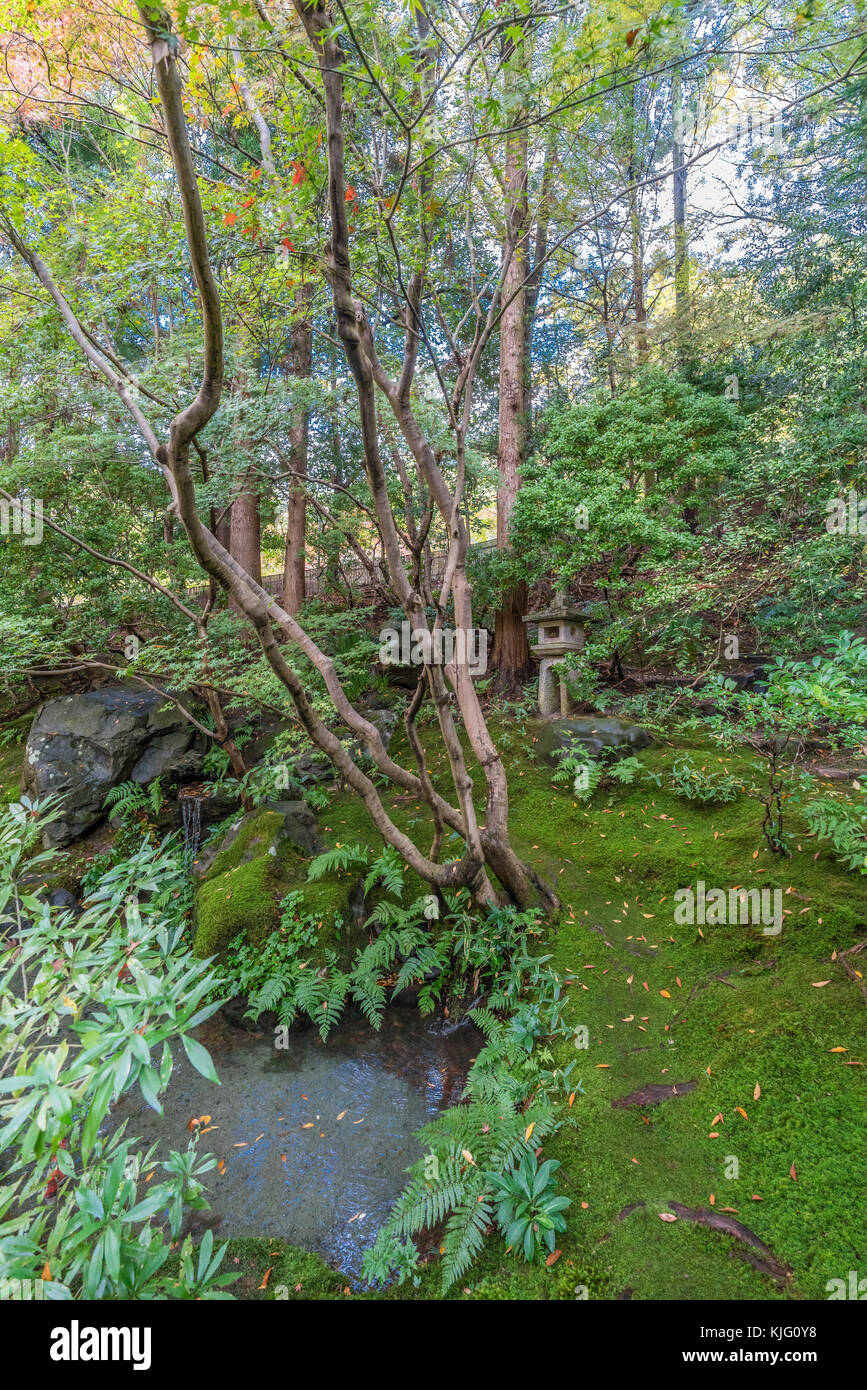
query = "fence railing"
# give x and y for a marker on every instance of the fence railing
(353, 572)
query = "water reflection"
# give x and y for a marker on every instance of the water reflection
(316, 1139)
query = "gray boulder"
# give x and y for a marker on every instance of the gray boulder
(81, 746)
(595, 732)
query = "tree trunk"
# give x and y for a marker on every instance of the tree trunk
(510, 658)
(636, 239)
(301, 361)
(246, 534)
(681, 244)
(483, 845)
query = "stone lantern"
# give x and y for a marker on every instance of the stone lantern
(561, 631)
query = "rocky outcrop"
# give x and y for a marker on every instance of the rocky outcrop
(80, 746)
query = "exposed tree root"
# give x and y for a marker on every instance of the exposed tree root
(652, 1095)
(843, 957)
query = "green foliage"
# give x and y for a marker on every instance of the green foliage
(337, 860)
(508, 1102)
(587, 773)
(390, 1259)
(130, 799)
(72, 1194)
(530, 1212)
(844, 824)
(697, 783)
(824, 698)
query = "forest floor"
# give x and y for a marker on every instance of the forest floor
(763, 1038)
(750, 1029)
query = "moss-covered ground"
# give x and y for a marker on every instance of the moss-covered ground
(769, 1028)
(758, 1022)
(14, 736)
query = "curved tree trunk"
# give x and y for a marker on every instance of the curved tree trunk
(486, 849)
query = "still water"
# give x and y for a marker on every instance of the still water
(316, 1139)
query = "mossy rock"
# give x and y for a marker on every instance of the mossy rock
(595, 732)
(253, 869)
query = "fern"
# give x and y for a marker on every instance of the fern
(465, 1233)
(321, 994)
(127, 798)
(342, 857)
(387, 870)
(844, 823)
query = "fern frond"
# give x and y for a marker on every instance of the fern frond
(388, 871)
(337, 859)
(465, 1233)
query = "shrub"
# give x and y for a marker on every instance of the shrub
(73, 1210)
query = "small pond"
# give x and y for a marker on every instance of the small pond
(317, 1138)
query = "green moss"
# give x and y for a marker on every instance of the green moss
(295, 1274)
(257, 834)
(241, 900)
(243, 889)
(745, 1013)
(12, 757)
